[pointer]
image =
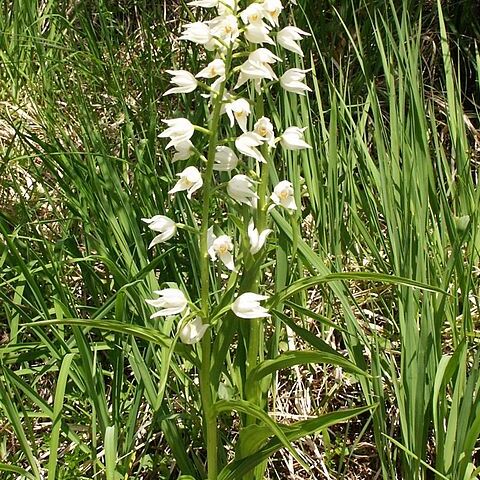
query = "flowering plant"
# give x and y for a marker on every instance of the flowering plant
(232, 179)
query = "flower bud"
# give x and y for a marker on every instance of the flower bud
(291, 81)
(162, 224)
(292, 139)
(247, 305)
(171, 301)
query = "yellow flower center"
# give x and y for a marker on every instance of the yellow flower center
(263, 131)
(222, 249)
(284, 194)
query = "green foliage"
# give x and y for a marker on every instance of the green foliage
(388, 240)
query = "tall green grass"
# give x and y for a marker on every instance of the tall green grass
(390, 188)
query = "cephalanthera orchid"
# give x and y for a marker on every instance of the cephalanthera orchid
(240, 189)
(292, 139)
(258, 33)
(184, 80)
(272, 9)
(283, 195)
(204, 3)
(193, 331)
(184, 150)
(171, 301)
(292, 79)
(253, 14)
(225, 27)
(257, 67)
(246, 144)
(248, 305)
(166, 227)
(221, 247)
(264, 128)
(179, 130)
(198, 32)
(215, 68)
(225, 159)
(288, 38)
(238, 110)
(190, 180)
(257, 240)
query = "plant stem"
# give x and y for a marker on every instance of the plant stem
(210, 417)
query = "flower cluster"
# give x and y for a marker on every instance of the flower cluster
(236, 39)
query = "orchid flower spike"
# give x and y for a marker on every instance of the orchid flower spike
(166, 227)
(247, 305)
(190, 180)
(171, 301)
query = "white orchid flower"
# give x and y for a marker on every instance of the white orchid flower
(257, 240)
(246, 144)
(292, 79)
(254, 13)
(225, 159)
(184, 80)
(184, 150)
(272, 9)
(238, 110)
(198, 32)
(179, 131)
(247, 305)
(190, 180)
(240, 189)
(257, 67)
(258, 33)
(225, 27)
(215, 68)
(221, 247)
(171, 301)
(166, 227)
(264, 128)
(283, 195)
(204, 3)
(288, 38)
(193, 331)
(292, 139)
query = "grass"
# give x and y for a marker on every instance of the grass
(384, 256)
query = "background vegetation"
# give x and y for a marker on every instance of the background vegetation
(391, 187)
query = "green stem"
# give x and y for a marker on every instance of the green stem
(210, 417)
(255, 344)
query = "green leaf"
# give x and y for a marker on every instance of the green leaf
(306, 283)
(298, 357)
(255, 411)
(239, 467)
